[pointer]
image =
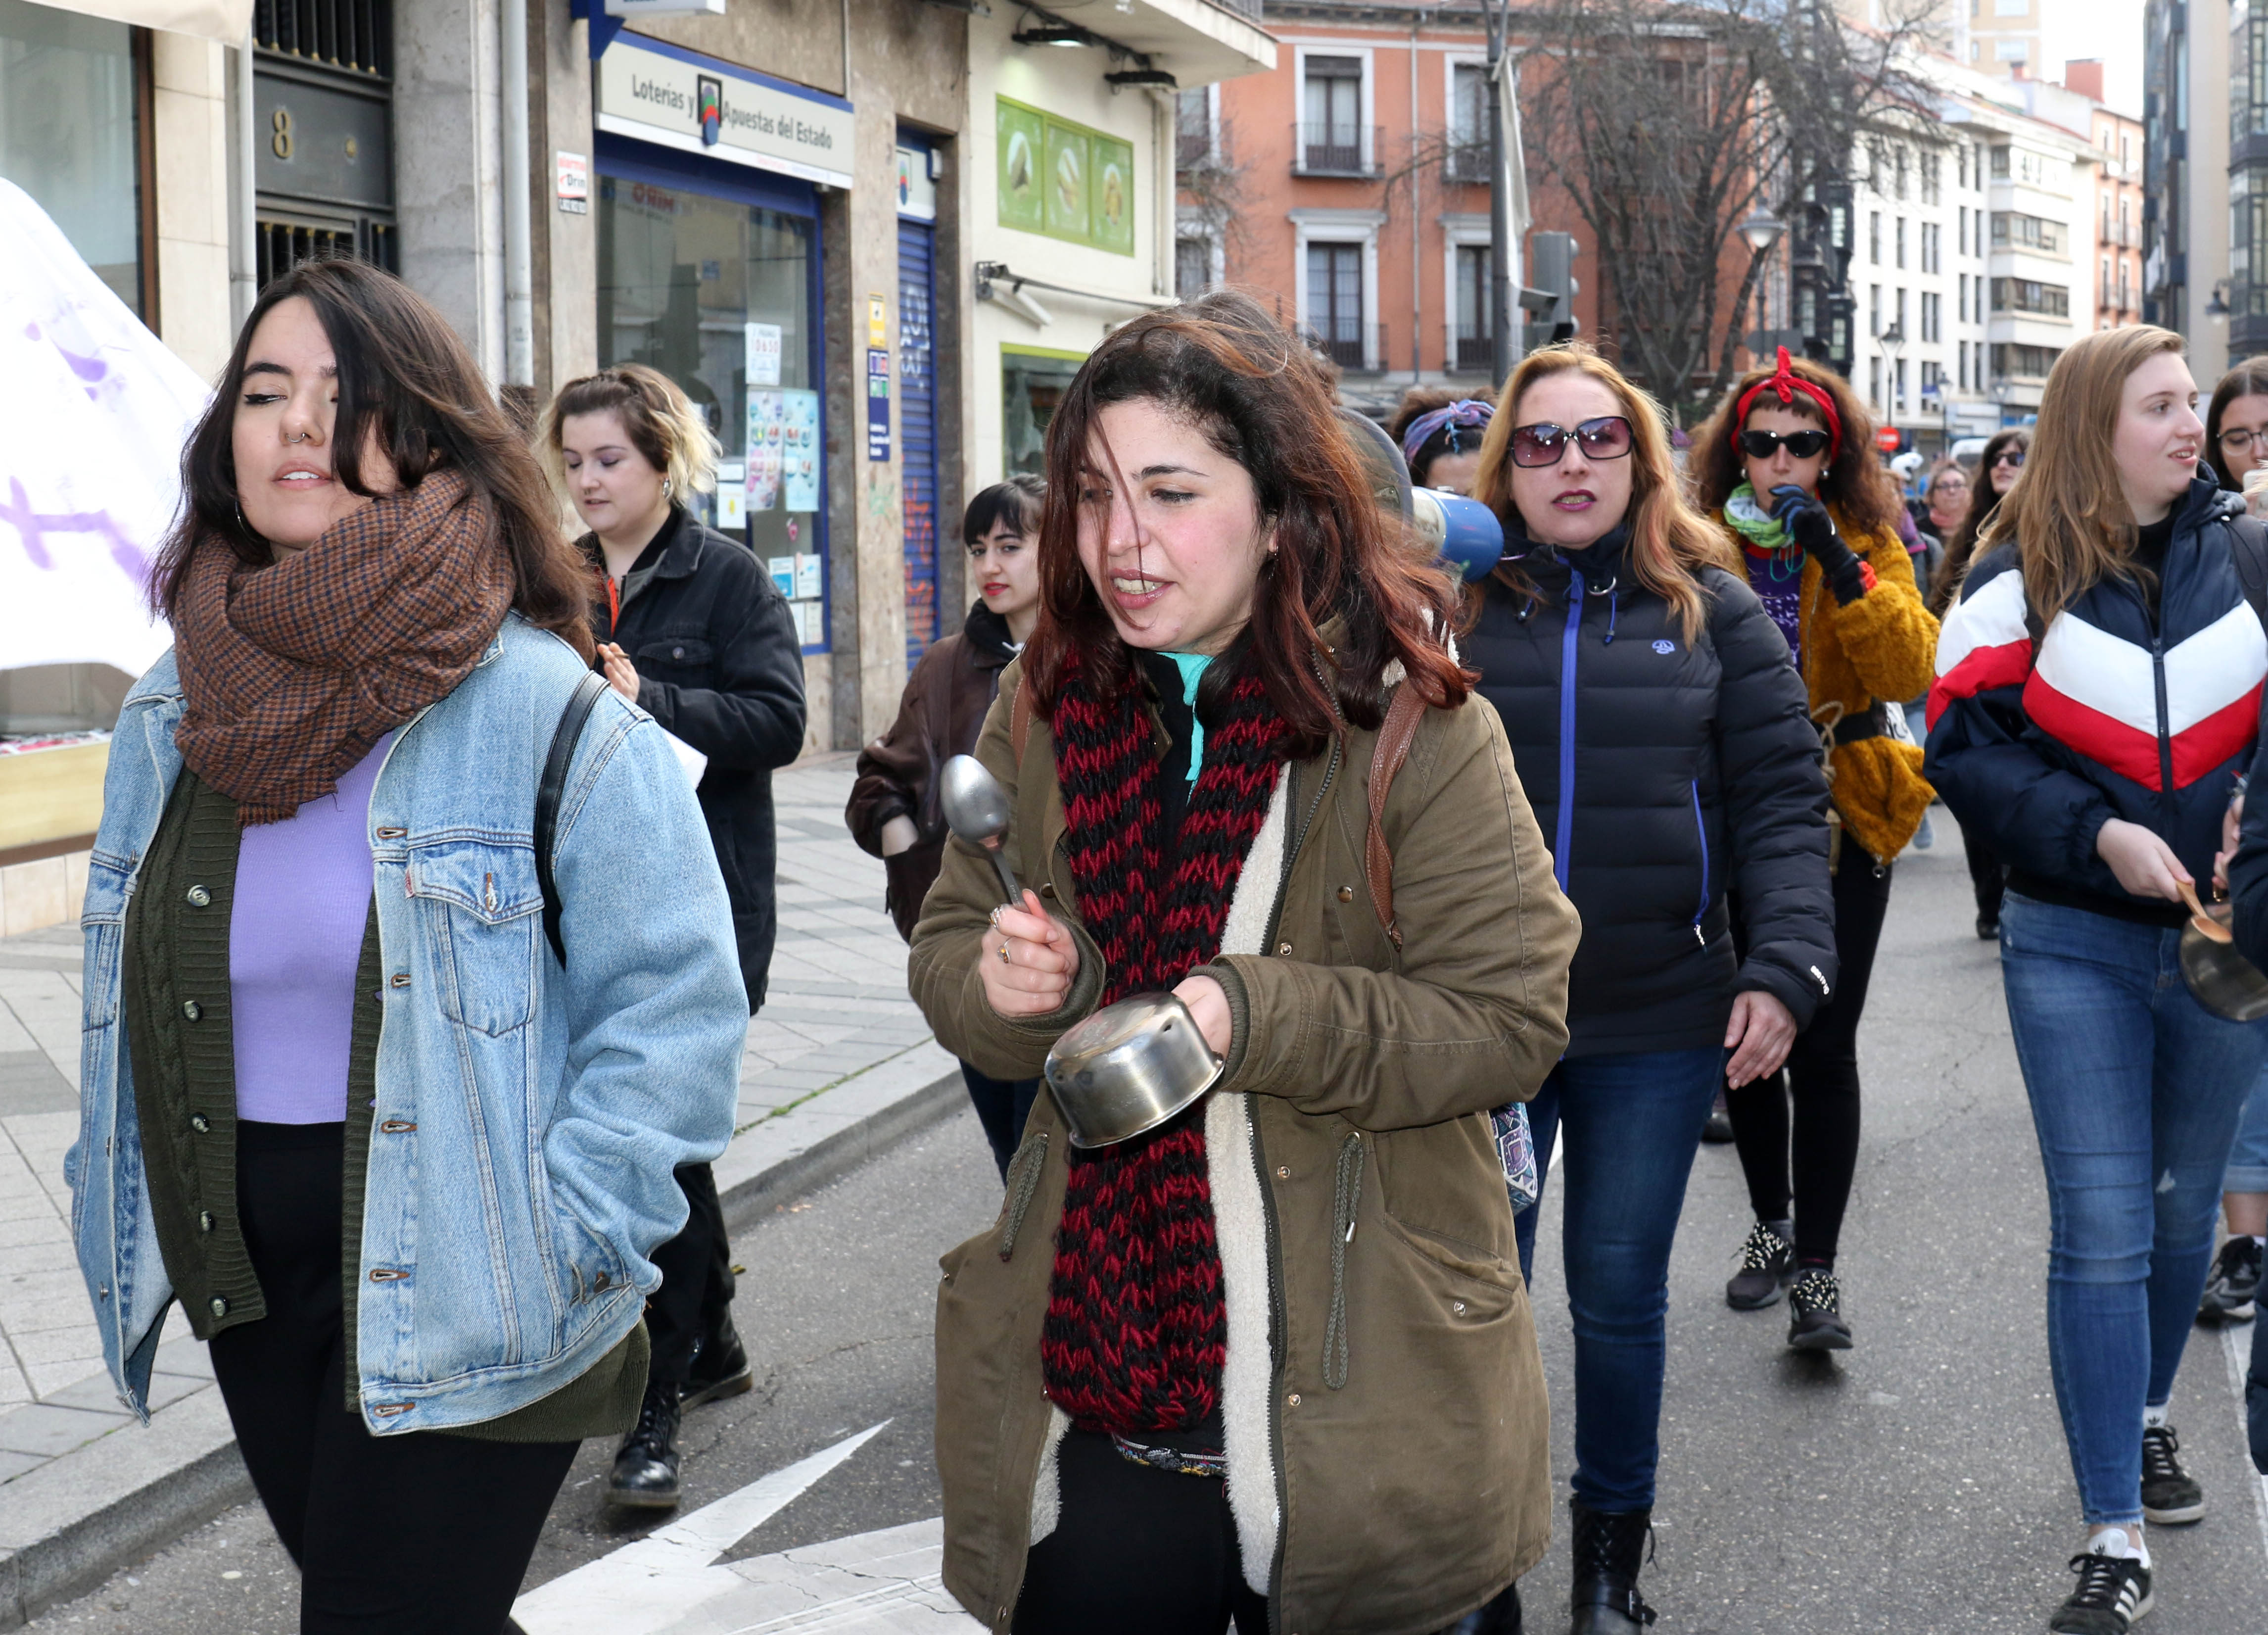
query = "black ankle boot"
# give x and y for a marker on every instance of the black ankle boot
(645, 1476)
(1608, 1552)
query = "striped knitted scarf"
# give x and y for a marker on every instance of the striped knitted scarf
(1136, 1328)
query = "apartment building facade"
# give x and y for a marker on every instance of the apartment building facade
(1352, 181)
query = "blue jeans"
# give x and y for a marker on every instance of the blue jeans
(1633, 1123)
(2248, 1160)
(2135, 1090)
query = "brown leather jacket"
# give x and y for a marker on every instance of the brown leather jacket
(1384, 1414)
(938, 717)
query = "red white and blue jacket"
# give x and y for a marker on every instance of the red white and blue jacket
(2113, 717)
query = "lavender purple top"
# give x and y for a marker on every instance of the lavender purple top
(294, 940)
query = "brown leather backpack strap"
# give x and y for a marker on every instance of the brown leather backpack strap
(1020, 718)
(1396, 734)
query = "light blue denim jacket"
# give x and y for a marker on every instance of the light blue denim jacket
(528, 1119)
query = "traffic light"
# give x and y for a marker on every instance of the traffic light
(1549, 298)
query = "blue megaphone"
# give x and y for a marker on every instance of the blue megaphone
(1464, 533)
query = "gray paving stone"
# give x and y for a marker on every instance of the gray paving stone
(46, 1430)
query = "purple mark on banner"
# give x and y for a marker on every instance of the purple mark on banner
(34, 527)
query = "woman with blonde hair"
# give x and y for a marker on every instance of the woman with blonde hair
(1786, 467)
(693, 631)
(2097, 698)
(1272, 1362)
(1662, 736)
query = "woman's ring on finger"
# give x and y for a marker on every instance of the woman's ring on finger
(1004, 950)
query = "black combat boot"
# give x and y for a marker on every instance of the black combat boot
(721, 1367)
(645, 1470)
(1608, 1552)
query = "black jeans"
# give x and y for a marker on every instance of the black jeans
(424, 1531)
(1002, 1105)
(1136, 1552)
(1987, 877)
(1822, 1077)
(695, 1296)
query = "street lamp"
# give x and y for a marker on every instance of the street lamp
(1892, 340)
(2216, 305)
(1762, 230)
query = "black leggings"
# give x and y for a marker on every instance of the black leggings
(1823, 1075)
(1987, 877)
(422, 1531)
(1136, 1552)
(697, 1286)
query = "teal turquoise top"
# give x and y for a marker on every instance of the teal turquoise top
(1192, 666)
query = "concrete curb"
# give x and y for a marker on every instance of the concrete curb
(68, 1524)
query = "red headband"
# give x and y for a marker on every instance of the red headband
(1787, 383)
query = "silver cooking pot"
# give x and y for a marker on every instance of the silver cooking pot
(2220, 978)
(1129, 1068)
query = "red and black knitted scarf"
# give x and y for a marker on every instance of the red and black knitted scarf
(1136, 1330)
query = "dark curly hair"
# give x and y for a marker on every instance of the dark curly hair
(1855, 486)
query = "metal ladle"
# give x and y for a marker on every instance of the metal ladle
(977, 809)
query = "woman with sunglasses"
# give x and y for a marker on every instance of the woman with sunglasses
(1662, 739)
(1786, 464)
(2003, 462)
(1439, 430)
(2236, 445)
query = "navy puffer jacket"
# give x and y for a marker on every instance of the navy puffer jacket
(1663, 772)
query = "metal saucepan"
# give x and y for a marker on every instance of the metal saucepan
(1129, 1068)
(2221, 979)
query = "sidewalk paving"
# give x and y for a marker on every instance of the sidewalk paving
(838, 1064)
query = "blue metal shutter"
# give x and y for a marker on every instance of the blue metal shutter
(918, 429)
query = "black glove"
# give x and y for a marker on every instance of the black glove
(1806, 520)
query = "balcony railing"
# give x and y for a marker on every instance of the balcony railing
(1242, 8)
(1475, 351)
(1466, 161)
(1335, 150)
(1358, 347)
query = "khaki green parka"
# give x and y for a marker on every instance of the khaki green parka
(1383, 1402)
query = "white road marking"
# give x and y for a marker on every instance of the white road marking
(646, 1586)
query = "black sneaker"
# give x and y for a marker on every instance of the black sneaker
(2233, 1283)
(2114, 1591)
(1814, 1314)
(2170, 1495)
(721, 1368)
(645, 1476)
(1767, 1266)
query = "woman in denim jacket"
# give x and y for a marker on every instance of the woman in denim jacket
(403, 1167)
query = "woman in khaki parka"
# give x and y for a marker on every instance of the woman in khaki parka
(1787, 466)
(1273, 1362)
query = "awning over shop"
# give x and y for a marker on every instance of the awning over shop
(227, 21)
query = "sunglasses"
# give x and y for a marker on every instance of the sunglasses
(1764, 445)
(1543, 444)
(2010, 457)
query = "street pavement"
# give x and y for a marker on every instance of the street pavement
(1916, 1484)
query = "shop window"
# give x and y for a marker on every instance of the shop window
(1032, 384)
(716, 293)
(68, 133)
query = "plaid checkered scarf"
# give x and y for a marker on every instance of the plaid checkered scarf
(294, 672)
